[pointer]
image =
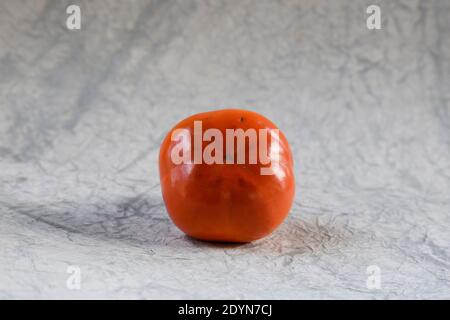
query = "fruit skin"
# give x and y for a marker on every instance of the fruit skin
(226, 202)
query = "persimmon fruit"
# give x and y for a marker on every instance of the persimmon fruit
(227, 201)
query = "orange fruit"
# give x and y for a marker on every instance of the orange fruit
(226, 200)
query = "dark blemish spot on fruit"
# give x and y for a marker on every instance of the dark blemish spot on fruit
(242, 182)
(216, 182)
(242, 119)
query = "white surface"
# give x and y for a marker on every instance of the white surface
(82, 114)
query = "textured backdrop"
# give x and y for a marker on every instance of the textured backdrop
(82, 114)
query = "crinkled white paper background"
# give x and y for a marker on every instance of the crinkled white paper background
(82, 114)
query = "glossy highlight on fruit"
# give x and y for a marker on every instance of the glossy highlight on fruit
(229, 202)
